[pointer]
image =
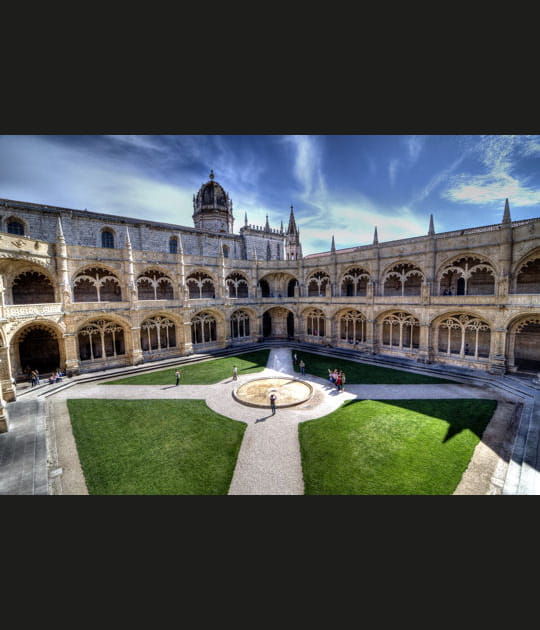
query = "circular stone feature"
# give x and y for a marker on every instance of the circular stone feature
(289, 391)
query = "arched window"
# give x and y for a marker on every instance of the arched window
(107, 239)
(403, 279)
(96, 285)
(237, 285)
(203, 328)
(173, 245)
(352, 327)
(100, 339)
(239, 324)
(32, 287)
(354, 282)
(315, 323)
(200, 285)
(467, 276)
(154, 285)
(400, 330)
(14, 226)
(464, 335)
(158, 333)
(317, 284)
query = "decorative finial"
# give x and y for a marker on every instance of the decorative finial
(431, 230)
(375, 237)
(333, 246)
(212, 174)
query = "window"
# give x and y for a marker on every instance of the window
(173, 245)
(15, 227)
(107, 239)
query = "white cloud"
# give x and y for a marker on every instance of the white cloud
(392, 170)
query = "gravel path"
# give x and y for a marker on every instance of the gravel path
(269, 458)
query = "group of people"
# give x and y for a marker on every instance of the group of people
(34, 377)
(56, 376)
(337, 378)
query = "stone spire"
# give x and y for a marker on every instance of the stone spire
(506, 215)
(127, 242)
(333, 246)
(431, 230)
(267, 225)
(292, 229)
(245, 219)
(281, 228)
(375, 237)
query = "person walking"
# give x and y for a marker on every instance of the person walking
(343, 379)
(302, 368)
(273, 403)
(338, 382)
(33, 377)
(178, 375)
(235, 373)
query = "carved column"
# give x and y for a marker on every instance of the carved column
(425, 349)
(135, 356)
(497, 359)
(72, 354)
(7, 388)
(3, 413)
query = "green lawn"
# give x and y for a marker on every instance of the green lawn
(164, 447)
(392, 447)
(363, 373)
(204, 373)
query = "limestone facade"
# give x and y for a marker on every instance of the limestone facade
(85, 291)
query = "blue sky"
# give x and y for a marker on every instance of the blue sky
(341, 185)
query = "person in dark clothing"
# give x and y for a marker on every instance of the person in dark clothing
(273, 403)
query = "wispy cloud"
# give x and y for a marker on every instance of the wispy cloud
(500, 180)
(392, 171)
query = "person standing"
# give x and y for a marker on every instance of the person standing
(302, 368)
(235, 373)
(338, 382)
(273, 403)
(343, 379)
(295, 358)
(178, 375)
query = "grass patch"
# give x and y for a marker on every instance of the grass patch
(167, 447)
(203, 373)
(392, 447)
(363, 373)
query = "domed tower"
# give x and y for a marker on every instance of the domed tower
(212, 208)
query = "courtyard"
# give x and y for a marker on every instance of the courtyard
(268, 454)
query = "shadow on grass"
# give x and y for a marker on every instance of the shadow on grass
(460, 414)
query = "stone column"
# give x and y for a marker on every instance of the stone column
(371, 336)
(3, 413)
(497, 359)
(425, 349)
(188, 344)
(7, 388)
(72, 354)
(135, 356)
(330, 337)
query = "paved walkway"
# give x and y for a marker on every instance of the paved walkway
(269, 458)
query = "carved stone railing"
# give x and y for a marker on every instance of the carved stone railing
(31, 310)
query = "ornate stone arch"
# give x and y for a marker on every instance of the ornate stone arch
(154, 284)
(317, 282)
(467, 273)
(462, 333)
(402, 278)
(96, 283)
(204, 327)
(39, 345)
(237, 284)
(103, 337)
(399, 329)
(201, 284)
(159, 333)
(523, 343)
(242, 324)
(31, 284)
(354, 281)
(526, 274)
(314, 322)
(351, 326)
